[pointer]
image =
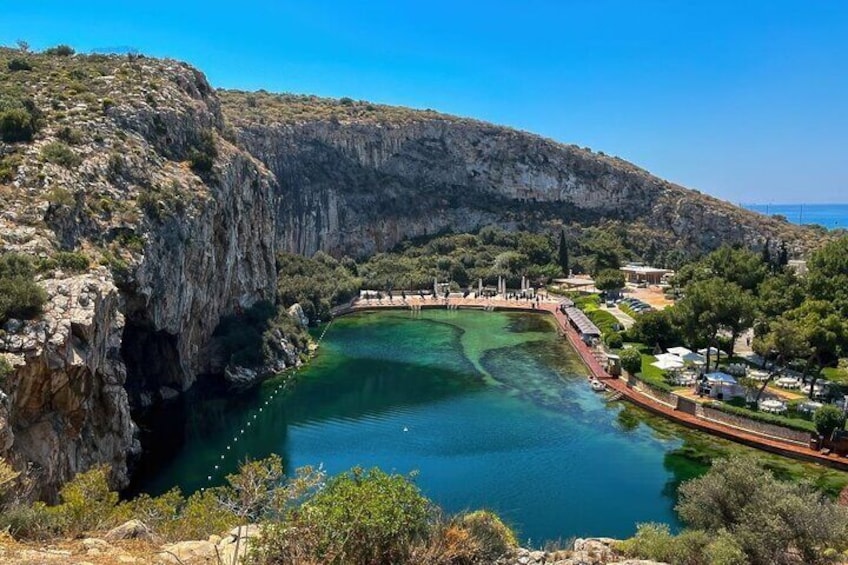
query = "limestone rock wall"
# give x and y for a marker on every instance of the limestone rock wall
(65, 408)
(357, 188)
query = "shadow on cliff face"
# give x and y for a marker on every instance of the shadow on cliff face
(152, 361)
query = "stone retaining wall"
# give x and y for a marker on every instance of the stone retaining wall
(663, 396)
(756, 426)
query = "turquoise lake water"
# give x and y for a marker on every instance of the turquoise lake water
(491, 409)
(831, 216)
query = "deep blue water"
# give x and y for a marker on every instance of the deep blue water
(831, 216)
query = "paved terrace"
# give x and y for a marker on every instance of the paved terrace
(619, 386)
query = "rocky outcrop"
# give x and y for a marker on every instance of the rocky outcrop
(66, 408)
(590, 551)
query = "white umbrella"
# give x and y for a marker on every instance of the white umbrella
(679, 351)
(668, 364)
(693, 358)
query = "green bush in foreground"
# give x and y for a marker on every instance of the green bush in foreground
(739, 513)
(366, 517)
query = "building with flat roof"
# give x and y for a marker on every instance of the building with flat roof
(645, 274)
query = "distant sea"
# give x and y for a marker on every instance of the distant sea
(831, 216)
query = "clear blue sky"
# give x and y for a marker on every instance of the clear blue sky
(744, 100)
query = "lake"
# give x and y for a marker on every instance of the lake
(491, 409)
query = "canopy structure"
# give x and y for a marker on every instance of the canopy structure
(693, 358)
(679, 351)
(667, 362)
(719, 378)
(712, 351)
(583, 324)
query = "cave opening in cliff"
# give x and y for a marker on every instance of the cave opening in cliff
(152, 360)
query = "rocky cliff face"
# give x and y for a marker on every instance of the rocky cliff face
(66, 408)
(180, 248)
(180, 197)
(358, 178)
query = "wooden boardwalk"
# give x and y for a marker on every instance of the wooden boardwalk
(619, 386)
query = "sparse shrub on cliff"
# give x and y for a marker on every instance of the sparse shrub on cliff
(493, 538)
(202, 156)
(31, 522)
(70, 135)
(19, 64)
(9, 166)
(72, 261)
(60, 51)
(20, 295)
(19, 120)
(5, 370)
(58, 153)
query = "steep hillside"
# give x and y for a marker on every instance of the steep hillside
(178, 198)
(360, 177)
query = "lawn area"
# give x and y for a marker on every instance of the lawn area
(836, 375)
(603, 319)
(590, 304)
(650, 374)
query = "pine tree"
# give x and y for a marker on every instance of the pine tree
(783, 258)
(767, 253)
(563, 253)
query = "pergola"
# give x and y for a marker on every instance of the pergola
(582, 323)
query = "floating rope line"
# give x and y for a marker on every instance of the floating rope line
(250, 417)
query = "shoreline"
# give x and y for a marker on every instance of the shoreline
(617, 385)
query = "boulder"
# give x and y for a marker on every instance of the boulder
(188, 552)
(298, 315)
(134, 529)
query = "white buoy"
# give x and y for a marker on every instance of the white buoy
(405, 429)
